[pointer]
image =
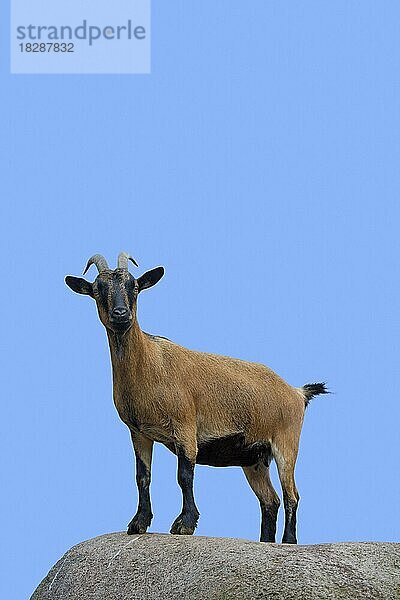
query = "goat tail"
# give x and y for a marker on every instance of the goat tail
(313, 389)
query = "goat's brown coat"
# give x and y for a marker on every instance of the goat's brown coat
(172, 394)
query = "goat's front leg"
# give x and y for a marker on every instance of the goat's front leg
(186, 522)
(143, 451)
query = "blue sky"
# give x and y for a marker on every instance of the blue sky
(259, 163)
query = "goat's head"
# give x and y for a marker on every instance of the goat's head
(115, 291)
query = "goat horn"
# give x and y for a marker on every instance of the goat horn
(123, 260)
(99, 261)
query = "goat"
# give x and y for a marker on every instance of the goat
(205, 408)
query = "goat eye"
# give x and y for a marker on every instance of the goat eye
(130, 291)
(129, 286)
(102, 290)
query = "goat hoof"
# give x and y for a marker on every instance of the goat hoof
(139, 524)
(184, 525)
(289, 540)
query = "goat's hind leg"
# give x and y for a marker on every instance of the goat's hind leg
(143, 451)
(260, 482)
(186, 522)
(285, 458)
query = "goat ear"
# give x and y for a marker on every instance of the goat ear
(79, 285)
(150, 278)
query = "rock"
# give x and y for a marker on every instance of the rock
(162, 567)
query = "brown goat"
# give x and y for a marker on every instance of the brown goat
(207, 409)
